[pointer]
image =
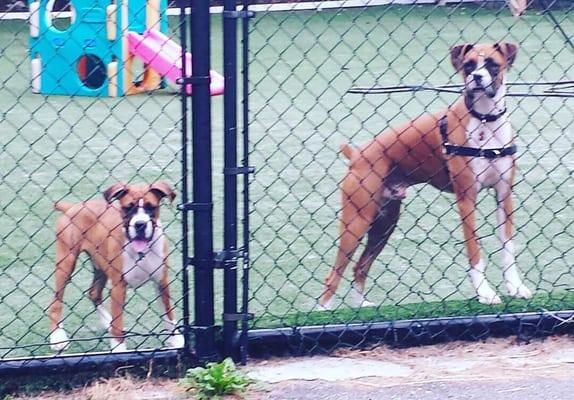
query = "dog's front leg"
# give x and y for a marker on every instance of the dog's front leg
(175, 339)
(66, 261)
(96, 295)
(118, 299)
(505, 227)
(466, 200)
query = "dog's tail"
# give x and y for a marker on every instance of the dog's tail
(347, 151)
(62, 206)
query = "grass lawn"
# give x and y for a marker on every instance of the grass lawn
(301, 66)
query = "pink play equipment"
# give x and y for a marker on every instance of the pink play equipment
(163, 55)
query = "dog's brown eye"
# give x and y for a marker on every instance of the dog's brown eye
(469, 66)
(492, 67)
(129, 208)
(150, 208)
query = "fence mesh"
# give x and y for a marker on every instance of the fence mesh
(303, 61)
(303, 64)
(71, 148)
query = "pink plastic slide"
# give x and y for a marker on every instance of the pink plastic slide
(164, 56)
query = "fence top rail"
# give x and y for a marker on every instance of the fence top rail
(276, 7)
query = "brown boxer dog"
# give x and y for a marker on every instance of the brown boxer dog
(464, 149)
(127, 247)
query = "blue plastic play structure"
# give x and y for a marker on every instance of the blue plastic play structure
(91, 56)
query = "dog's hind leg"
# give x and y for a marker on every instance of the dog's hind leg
(360, 207)
(378, 235)
(66, 255)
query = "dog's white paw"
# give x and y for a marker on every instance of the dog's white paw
(59, 340)
(359, 300)
(117, 347)
(489, 298)
(513, 282)
(325, 307)
(104, 316)
(485, 293)
(176, 341)
(518, 290)
(367, 303)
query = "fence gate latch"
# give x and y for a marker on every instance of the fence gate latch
(239, 171)
(193, 206)
(223, 257)
(245, 14)
(194, 80)
(238, 317)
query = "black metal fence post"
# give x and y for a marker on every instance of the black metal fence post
(184, 182)
(230, 179)
(245, 163)
(202, 184)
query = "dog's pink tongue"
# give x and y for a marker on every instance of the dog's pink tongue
(139, 245)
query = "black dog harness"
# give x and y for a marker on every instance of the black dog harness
(455, 150)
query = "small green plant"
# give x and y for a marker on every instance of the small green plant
(216, 379)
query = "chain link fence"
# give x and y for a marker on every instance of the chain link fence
(72, 147)
(319, 76)
(305, 69)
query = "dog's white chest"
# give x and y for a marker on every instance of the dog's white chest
(490, 135)
(138, 270)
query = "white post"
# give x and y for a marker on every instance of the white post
(34, 19)
(36, 71)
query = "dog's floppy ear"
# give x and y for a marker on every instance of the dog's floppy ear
(347, 151)
(457, 54)
(509, 51)
(162, 189)
(115, 192)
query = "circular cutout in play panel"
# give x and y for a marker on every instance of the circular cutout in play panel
(92, 71)
(60, 14)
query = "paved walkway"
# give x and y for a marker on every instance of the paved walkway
(539, 388)
(496, 370)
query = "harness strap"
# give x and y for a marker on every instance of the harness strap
(455, 150)
(480, 116)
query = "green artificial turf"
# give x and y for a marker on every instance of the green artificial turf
(301, 66)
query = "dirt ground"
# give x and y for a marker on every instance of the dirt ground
(496, 369)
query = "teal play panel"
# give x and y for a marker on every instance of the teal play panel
(74, 61)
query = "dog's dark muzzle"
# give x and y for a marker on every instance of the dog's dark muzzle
(138, 231)
(140, 228)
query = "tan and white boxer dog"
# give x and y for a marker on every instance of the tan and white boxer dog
(127, 247)
(463, 149)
